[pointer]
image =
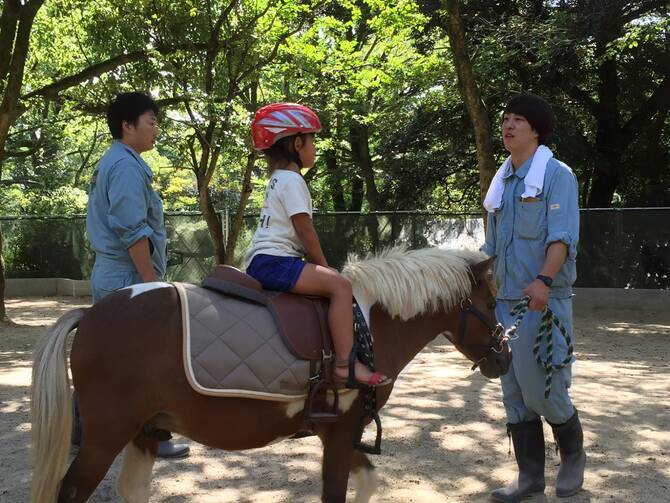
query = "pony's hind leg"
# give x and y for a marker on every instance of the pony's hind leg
(134, 482)
(365, 477)
(88, 468)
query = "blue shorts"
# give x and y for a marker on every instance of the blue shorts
(276, 273)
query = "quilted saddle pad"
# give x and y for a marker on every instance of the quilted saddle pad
(232, 348)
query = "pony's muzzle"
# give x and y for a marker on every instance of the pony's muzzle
(496, 363)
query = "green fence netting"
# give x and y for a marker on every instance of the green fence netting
(619, 248)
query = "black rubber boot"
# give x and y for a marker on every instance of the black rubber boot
(528, 440)
(570, 439)
(169, 450)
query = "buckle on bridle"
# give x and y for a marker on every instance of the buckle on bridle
(478, 362)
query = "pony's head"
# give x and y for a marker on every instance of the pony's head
(410, 283)
(479, 336)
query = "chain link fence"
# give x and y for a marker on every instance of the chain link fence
(619, 248)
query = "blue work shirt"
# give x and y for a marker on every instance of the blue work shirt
(520, 231)
(124, 208)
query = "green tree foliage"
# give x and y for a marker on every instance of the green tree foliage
(396, 132)
(380, 73)
(604, 65)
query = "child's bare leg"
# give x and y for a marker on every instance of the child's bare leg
(325, 282)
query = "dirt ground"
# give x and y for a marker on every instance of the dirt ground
(444, 433)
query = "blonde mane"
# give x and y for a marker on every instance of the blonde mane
(411, 282)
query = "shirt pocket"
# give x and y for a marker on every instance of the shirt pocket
(530, 217)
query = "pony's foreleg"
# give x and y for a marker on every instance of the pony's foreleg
(365, 477)
(338, 451)
(134, 482)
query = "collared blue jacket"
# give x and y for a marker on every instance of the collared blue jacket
(124, 208)
(519, 232)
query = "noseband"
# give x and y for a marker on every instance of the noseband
(498, 337)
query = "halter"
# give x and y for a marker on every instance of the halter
(498, 337)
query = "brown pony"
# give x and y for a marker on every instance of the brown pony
(127, 367)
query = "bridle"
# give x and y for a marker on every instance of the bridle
(498, 336)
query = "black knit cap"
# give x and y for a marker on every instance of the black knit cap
(536, 110)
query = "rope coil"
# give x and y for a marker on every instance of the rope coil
(548, 317)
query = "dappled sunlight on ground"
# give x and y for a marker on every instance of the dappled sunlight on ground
(30, 311)
(444, 426)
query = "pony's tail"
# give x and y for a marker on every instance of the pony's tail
(51, 409)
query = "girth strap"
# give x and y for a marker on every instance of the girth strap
(363, 350)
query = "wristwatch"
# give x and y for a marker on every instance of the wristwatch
(545, 279)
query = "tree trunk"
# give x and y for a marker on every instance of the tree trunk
(213, 220)
(656, 161)
(238, 219)
(8, 21)
(359, 138)
(15, 26)
(18, 52)
(356, 194)
(337, 193)
(610, 142)
(3, 311)
(469, 91)
(604, 184)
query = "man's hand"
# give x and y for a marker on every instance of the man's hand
(537, 290)
(539, 295)
(139, 254)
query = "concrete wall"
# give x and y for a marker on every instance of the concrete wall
(46, 287)
(589, 300)
(586, 300)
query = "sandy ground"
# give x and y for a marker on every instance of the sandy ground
(444, 434)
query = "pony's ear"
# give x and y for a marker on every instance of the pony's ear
(482, 270)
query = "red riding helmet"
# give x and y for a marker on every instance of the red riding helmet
(278, 120)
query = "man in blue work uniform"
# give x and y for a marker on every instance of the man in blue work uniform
(124, 218)
(533, 229)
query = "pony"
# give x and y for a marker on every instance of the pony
(127, 367)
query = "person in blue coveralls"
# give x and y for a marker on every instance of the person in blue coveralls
(532, 230)
(124, 218)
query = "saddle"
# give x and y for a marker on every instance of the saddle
(302, 322)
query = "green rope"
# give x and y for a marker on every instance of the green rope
(548, 317)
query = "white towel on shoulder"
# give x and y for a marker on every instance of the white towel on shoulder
(534, 179)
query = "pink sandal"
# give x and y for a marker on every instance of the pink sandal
(377, 379)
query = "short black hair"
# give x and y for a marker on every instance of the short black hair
(536, 110)
(128, 107)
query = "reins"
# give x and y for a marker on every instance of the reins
(548, 317)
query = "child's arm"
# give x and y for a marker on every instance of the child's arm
(304, 228)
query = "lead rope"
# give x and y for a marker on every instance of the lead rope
(548, 317)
